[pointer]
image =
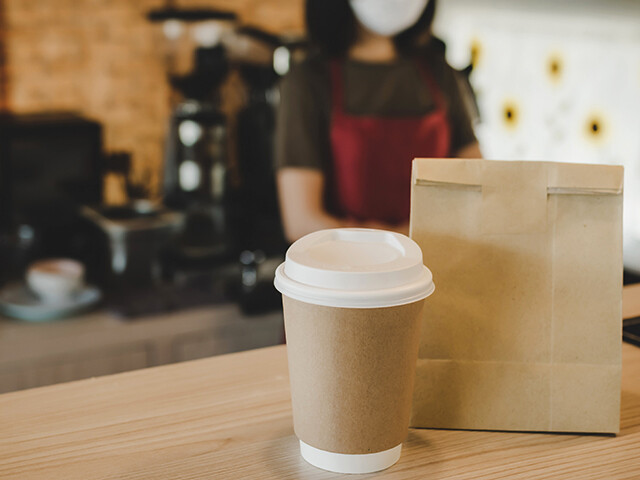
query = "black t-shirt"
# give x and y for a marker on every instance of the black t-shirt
(387, 89)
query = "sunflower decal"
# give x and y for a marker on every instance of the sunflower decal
(595, 127)
(555, 67)
(510, 114)
(475, 52)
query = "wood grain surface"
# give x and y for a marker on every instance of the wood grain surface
(229, 417)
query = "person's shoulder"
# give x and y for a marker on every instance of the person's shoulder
(308, 68)
(434, 53)
(306, 86)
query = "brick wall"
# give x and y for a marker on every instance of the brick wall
(102, 58)
(3, 61)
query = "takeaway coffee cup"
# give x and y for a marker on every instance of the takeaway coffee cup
(353, 301)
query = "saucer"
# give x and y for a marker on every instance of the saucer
(18, 301)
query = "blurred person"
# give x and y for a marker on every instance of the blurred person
(374, 92)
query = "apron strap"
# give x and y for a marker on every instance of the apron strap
(337, 86)
(432, 85)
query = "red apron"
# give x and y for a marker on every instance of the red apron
(372, 155)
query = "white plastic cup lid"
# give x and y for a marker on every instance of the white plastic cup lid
(354, 268)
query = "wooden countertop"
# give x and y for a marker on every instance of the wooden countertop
(230, 417)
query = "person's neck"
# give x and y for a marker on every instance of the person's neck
(372, 48)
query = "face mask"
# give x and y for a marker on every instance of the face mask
(387, 17)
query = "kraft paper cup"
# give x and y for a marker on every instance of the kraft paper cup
(353, 301)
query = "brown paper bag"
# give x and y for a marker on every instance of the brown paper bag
(523, 330)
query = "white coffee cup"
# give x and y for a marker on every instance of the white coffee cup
(55, 280)
(353, 302)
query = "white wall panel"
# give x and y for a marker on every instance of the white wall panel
(569, 73)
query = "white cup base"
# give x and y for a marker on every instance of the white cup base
(350, 463)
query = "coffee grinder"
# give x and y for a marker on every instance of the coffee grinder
(196, 160)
